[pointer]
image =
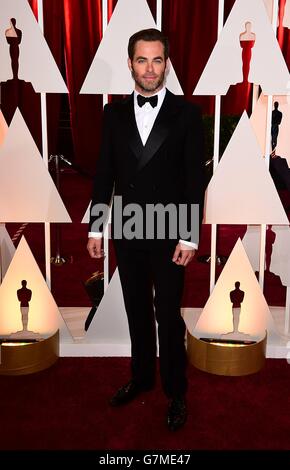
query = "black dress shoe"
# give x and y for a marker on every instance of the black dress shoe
(177, 413)
(126, 394)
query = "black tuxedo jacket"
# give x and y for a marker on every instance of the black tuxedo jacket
(168, 169)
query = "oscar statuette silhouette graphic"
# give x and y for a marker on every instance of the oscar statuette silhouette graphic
(270, 240)
(275, 123)
(24, 296)
(16, 92)
(13, 37)
(247, 41)
(236, 297)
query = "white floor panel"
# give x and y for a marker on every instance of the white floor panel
(277, 346)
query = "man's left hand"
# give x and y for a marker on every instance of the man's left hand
(183, 255)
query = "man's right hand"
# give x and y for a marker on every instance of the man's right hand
(94, 248)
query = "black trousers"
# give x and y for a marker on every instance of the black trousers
(144, 264)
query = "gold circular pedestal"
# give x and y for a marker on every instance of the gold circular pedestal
(27, 358)
(226, 359)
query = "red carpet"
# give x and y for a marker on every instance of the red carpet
(65, 407)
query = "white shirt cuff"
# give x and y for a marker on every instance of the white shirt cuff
(187, 245)
(95, 234)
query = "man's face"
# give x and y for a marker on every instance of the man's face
(148, 66)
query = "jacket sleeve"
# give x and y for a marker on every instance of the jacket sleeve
(104, 176)
(194, 171)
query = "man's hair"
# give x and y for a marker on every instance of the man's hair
(148, 35)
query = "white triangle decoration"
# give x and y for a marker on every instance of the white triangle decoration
(7, 251)
(110, 324)
(86, 217)
(255, 317)
(36, 62)
(109, 71)
(3, 128)
(259, 120)
(224, 67)
(43, 315)
(241, 190)
(27, 191)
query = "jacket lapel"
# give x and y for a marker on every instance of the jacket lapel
(159, 132)
(161, 128)
(129, 122)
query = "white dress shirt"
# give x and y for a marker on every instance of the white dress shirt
(146, 115)
(145, 118)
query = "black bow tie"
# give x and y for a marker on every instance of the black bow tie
(153, 100)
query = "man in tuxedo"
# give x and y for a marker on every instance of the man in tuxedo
(151, 153)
